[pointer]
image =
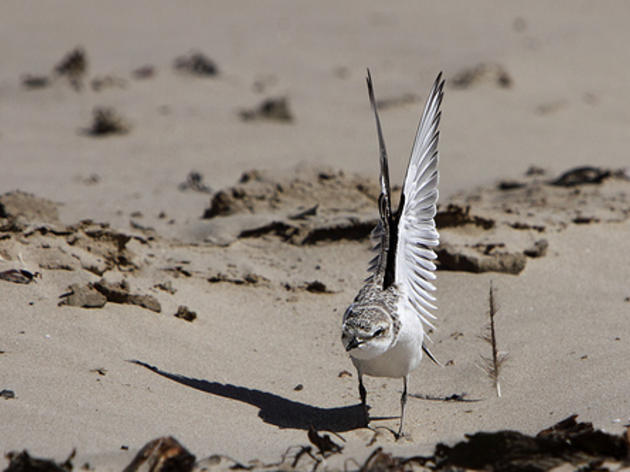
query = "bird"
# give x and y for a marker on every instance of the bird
(384, 330)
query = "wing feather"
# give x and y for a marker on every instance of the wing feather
(417, 234)
(378, 267)
(420, 310)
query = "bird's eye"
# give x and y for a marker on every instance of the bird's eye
(378, 332)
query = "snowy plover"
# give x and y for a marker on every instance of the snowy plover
(384, 328)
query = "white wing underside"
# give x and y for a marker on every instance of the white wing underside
(417, 234)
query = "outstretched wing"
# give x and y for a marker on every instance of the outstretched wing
(381, 234)
(416, 231)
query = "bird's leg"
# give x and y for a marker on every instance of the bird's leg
(363, 395)
(403, 402)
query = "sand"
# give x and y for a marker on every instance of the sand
(528, 85)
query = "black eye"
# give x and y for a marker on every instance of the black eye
(378, 332)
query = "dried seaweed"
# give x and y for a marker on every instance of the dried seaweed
(24, 462)
(323, 443)
(164, 454)
(567, 442)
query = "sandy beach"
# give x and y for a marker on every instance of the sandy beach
(186, 194)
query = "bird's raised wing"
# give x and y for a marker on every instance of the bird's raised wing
(381, 233)
(416, 231)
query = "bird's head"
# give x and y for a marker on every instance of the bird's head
(366, 334)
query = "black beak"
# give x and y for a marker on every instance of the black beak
(352, 344)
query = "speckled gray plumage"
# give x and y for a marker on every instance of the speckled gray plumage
(373, 304)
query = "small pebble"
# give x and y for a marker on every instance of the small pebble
(7, 394)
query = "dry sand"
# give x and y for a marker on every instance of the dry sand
(528, 84)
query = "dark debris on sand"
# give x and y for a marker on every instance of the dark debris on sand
(73, 66)
(272, 109)
(164, 454)
(194, 181)
(7, 394)
(107, 121)
(567, 443)
(185, 313)
(144, 72)
(538, 249)
(492, 73)
(580, 176)
(31, 81)
(317, 286)
(325, 446)
(24, 462)
(455, 215)
(196, 63)
(248, 278)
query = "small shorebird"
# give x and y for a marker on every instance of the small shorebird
(384, 328)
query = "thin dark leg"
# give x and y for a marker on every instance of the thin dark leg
(403, 402)
(363, 395)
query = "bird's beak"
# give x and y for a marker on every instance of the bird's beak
(354, 343)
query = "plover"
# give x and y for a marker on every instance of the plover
(384, 328)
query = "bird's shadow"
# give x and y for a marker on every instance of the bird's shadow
(274, 409)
